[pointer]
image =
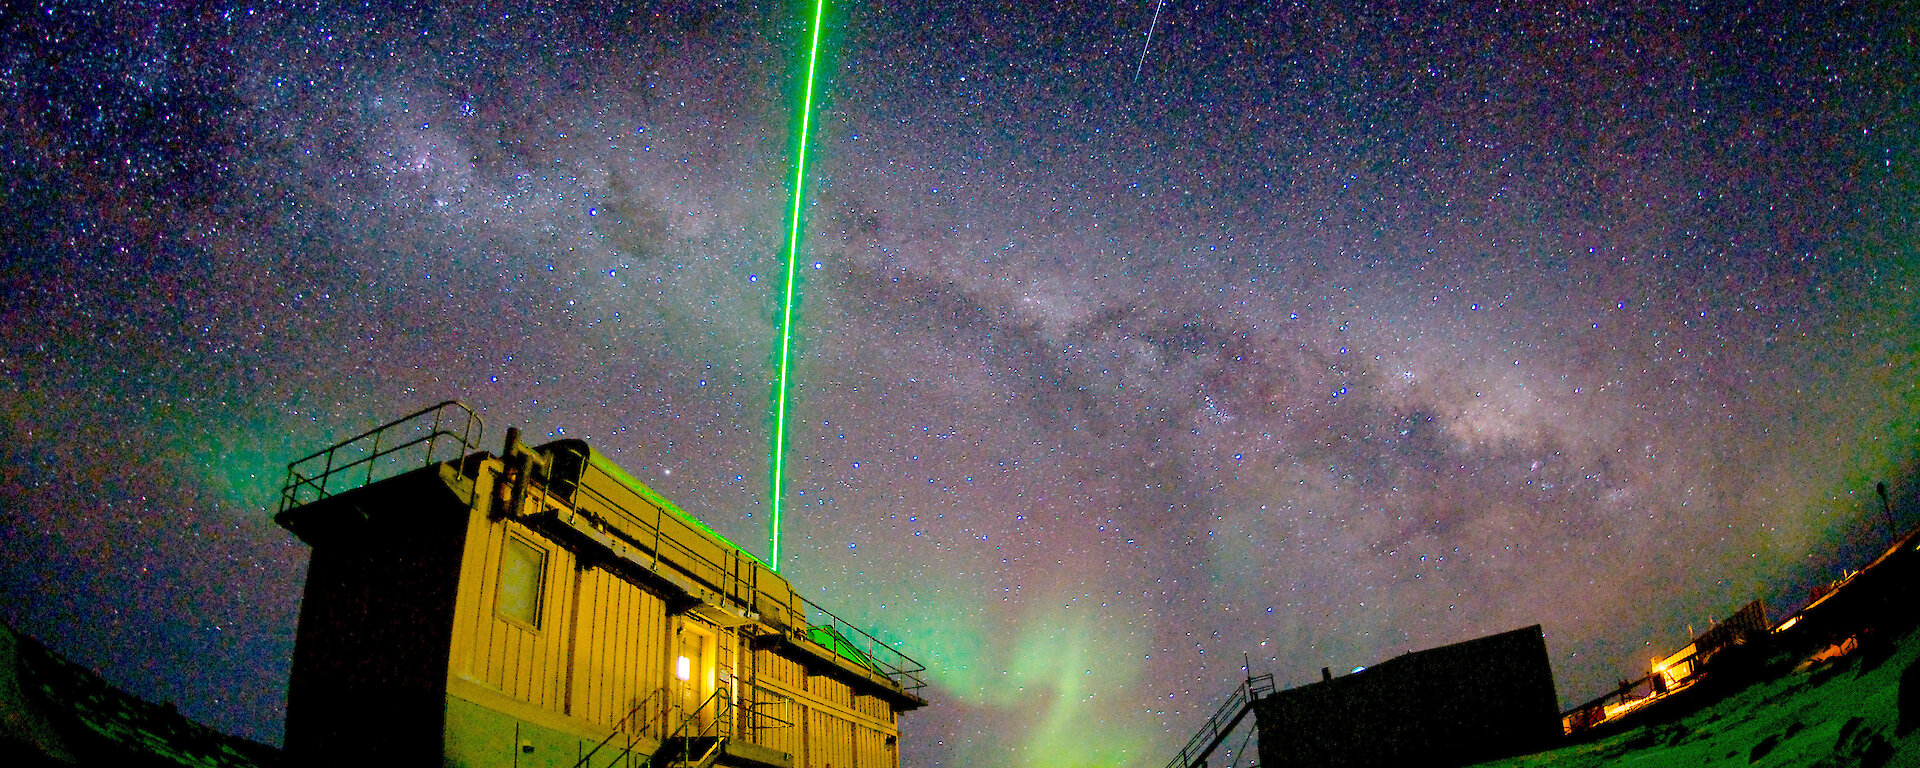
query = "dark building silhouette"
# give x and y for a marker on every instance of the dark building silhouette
(1453, 705)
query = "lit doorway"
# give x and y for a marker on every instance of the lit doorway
(693, 675)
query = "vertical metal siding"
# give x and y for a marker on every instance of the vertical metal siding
(523, 663)
(833, 726)
(781, 670)
(774, 704)
(615, 641)
(830, 741)
(830, 689)
(623, 630)
(870, 748)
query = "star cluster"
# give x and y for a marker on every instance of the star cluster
(1342, 330)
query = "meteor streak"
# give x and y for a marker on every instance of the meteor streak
(1143, 49)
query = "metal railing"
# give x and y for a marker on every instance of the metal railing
(757, 720)
(854, 644)
(1746, 625)
(441, 432)
(734, 576)
(1221, 724)
(711, 730)
(624, 727)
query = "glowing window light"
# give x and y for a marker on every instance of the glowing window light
(683, 668)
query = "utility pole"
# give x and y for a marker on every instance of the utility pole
(1886, 505)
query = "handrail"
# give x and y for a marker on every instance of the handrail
(1230, 712)
(752, 709)
(306, 484)
(867, 651)
(735, 580)
(621, 727)
(722, 710)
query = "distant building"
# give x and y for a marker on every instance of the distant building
(1669, 676)
(1453, 705)
(545, 608)
(1747, 625)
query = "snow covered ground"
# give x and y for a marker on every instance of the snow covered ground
(1862, 709)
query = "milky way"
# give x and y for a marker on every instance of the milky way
(1338, 332)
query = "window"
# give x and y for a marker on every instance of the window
(523, 569)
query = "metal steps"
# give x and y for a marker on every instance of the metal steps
(1221, 724)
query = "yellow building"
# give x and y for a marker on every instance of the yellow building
(544, 608)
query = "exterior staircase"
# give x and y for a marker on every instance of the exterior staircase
(689, 752)
(697, 744)
(1221, 724)
(649, 710)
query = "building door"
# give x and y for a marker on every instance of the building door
(693, 675)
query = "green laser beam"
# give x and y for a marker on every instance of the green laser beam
(786, 312)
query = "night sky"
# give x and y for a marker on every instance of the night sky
(1315, 332)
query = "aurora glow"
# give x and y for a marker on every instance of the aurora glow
(1350, 330)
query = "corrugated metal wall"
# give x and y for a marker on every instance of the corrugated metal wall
(829, 741)
(831, 690)
(779, 670)
(617, 641)
(870, 748)
(780, 727)
(619, 656)
(527, 663)
(833, 726)
(616, 650)
(874, 707)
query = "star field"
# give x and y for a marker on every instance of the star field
(1346, 330)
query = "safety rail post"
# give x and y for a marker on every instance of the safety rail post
(436, 430)
(328, 472)
(373, 455)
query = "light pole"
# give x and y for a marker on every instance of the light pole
(1886, 505)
